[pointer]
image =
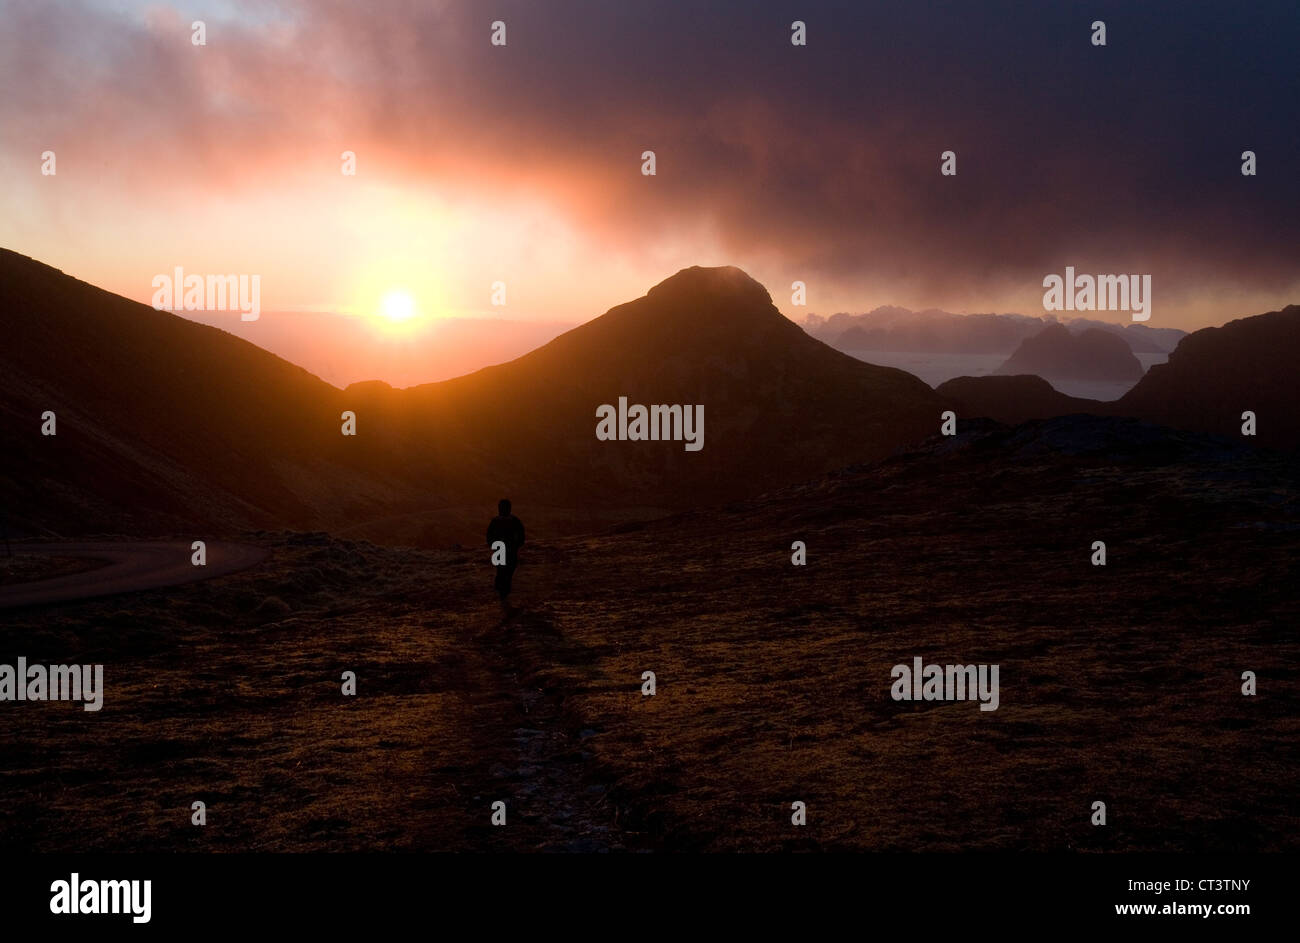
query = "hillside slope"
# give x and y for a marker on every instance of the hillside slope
(167, 425)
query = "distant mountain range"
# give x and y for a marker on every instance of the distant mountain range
(891, 328)
(1214, 376)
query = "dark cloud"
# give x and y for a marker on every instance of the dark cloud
(1123, 158)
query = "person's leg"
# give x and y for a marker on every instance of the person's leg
(507, 577)
(501, 583)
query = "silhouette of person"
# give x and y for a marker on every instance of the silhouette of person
(508, 529)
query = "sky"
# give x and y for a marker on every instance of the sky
(522, 163)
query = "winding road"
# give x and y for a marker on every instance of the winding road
(131, 567)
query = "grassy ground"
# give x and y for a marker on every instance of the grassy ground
(1118, 683)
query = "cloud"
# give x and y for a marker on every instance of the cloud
(819, 162)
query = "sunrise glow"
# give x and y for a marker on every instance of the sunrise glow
(397, 306)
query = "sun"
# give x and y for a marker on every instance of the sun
(397, 306)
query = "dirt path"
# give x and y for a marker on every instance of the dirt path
(539, 766)
(131, 567)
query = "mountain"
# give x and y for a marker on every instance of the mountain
(891, 328)
(1012, 399)
(898, 329)
(1056, 353)
(161, 422)
(1140, 338)
(1211, 378)
(166, 426)
(1217, 373)
(1165, 338)
(779, 406)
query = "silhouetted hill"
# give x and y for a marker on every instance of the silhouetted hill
(1055, 353)
(779, 405)
(160, 421)
(1218, 373)
(164, 424)
(1012, 399)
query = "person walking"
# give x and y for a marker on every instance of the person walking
(508, 531)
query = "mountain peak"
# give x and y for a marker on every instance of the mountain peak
(722, 283)
(1092, 354)
(705, 309)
